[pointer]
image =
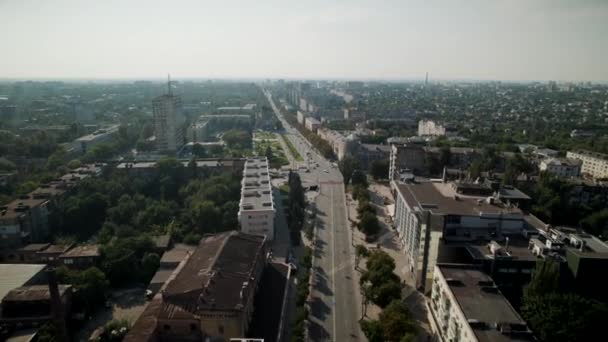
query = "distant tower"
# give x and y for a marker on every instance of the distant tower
(169, 120)
(426, 80)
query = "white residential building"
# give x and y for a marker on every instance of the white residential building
(428, 212)
(467, 306)
(256, 209)
(594, 164)
(169, 122)
(562, 167)
(430, 128)
(312, 124)
(300, 115)
(104, 135)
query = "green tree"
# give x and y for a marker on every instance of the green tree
(372, 330)
(359, 178)
(347, 166)
(360, 252)
(379, 169)
(369, 224)
(268, 153)
(397, 322)
(150, 264)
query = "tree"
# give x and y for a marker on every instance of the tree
(91, 285)
(347, 166)
(564, 317)
(397, 321)
(360, 252)
(379, 169)
(150, 264)
(360, 193)
(369, 224)
(545, 278)
(199, 151)
(372, 330)
(359, 178)
(268, 153)
(236, 138)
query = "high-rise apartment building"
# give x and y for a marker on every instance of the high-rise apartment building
(169, 122)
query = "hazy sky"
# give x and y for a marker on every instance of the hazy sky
(451, 39)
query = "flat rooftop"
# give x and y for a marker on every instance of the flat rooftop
(441, 198)
(597, 155)
(481, 302)
(256, 189)
(99, 133)
(17, 275)
(214, 275)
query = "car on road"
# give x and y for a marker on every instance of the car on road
(325, 170)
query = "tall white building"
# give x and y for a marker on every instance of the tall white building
(430, 128)
(594, 164)
(256, 208)
(169, 122)
(467, 306)
(428, 213)
(561, 167)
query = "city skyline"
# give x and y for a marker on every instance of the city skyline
(501, 40)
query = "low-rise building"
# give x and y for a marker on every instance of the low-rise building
(312, 124)
(16, 275)
(256, 208)
(561, 167)
(430, 128)
(30, 306)
(467, 306)
(211, 296)
(301, 117)
(87, 142)
(82, 256)
(427, 213)
(405, 158)
(23, 220)
(594, 164)
(368, 153)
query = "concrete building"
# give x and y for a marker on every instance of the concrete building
(594, 164)
(210, 296)
(301, 117)
(148, 169)
(561, 167)
(428, 213)
(14, 275)
(312, 124)
(405, 158)
(256, 208)
(22, 220)
(467, 306)
(169, 122)
(81, 257)
(101, 136)
(430, 128)
(201, 129)
(368, 153)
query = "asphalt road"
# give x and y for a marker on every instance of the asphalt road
(336, 306)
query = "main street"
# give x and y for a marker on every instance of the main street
(336, 306)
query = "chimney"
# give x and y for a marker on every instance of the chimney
(57, 312)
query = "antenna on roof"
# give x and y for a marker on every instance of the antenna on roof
(169, 84)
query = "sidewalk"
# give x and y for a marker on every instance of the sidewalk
(389, 243)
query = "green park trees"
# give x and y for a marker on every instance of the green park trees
(557, 315)
(347, 166)
(380, 285)
(296, 206)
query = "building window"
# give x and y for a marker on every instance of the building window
(220, 329)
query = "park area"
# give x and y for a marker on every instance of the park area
(266, 144)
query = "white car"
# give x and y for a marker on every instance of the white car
(325, 170)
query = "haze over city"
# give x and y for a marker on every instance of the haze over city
(483, 40)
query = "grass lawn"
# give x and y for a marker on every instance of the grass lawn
(260, 135)
(292, 149)
(278, 155)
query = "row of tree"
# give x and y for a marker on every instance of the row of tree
(296, 207)
(381, 286)
(557, 315)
